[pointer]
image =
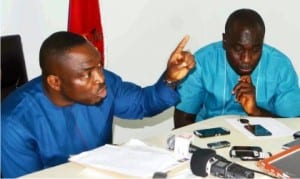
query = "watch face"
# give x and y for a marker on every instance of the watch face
(172, 84)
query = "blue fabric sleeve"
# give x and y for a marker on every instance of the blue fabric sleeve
(287, 100)
(14, 138)
(135, 102)
(191, 92)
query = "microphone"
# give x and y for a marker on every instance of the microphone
(204, 161)
(171, 145)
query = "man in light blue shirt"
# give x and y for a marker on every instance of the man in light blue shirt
(239, 75)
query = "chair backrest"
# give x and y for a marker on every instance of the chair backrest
(13, 69)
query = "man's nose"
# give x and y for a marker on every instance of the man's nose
(99, 76)
(246, 57)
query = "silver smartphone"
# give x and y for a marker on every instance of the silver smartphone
(218, 144)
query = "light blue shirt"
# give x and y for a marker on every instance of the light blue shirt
(207, 90)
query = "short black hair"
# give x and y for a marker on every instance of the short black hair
(247, 17)
(56, 45)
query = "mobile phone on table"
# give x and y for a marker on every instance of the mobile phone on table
(218, 144)
(291, 143)
(210, 132)
(245, 151)
(258, 130)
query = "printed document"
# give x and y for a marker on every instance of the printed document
(135, 158)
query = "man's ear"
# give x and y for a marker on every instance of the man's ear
(224, 40)
(54, 82)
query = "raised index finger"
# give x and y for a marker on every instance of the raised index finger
(182, 44)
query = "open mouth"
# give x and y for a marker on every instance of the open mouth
(102, 92)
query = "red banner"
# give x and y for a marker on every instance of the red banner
(84, 19)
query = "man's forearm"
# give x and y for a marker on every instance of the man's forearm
(262, 113)
(182, 119)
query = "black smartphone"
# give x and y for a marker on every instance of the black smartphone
(245, 151)
(218, 144)
(210, 132)
(258, 130)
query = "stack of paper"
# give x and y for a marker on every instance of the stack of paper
(134, 159)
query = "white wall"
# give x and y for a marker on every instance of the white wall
(34, 20)
(140, 35)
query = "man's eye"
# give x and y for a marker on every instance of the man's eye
(256, 49)
(100, 67)
(238, 49)
(86, 75)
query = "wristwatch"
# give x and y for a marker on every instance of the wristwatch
(171, 84)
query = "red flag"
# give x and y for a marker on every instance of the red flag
(84, 19)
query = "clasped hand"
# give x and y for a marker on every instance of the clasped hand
(245, 94)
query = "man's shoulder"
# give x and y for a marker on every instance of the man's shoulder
(212, 48)
(111, 78)
(21, 97)
(274, 61)
(273, 51)
(110, 74)
(274, 57)
(210, 54)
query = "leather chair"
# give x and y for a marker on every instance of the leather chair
(13, 69)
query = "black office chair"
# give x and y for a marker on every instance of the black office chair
(13, 69)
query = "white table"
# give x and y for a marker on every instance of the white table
(273, 145)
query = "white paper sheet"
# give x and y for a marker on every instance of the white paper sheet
(277, 128)
(134, 159)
